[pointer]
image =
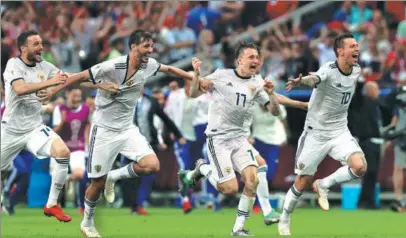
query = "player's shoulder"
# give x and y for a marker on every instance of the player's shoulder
(331, 65)
(356, 69)
(14, 61)
(46, 64)
(120, 62)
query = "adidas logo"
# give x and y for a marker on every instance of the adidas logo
(339, 85)
(230, 84)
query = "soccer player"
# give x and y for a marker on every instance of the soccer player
(235, 91)
(113, 131)
(325, 131)
(22, 126)
(72, 122)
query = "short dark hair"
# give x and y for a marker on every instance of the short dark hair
(22, 38)
(139, 36)
(339, 41)
(245, 45)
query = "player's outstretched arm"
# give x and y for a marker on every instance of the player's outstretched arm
(273, 105)
(198, 85)
(173, 71)
(310, 80)
(20, 87)
(290, 102)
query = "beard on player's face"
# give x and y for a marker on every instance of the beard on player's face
(33, 56)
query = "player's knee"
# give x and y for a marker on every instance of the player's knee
(228, 188)
(62, 152)
(358, 163)
(77, 174)
(303, 181)
(251, 183)
(98, 183)
(261, 162)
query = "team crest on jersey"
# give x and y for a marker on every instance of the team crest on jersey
(97, 168)
(300, 166)
(252, 88)
(227, 170)
(130, 83)
(41, 76)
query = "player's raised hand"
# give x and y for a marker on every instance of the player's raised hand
(196, 65)
(59, 78)
(268, 86)
(293, 83)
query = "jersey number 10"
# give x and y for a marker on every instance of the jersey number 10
(346, 98)
(244, 96)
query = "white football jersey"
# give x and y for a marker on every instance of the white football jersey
(231, 112)
(23, 113)
(116, 111)
(329, 102)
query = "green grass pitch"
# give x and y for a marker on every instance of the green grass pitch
(170, 222)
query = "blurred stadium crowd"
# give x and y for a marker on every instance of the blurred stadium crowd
(78, 35)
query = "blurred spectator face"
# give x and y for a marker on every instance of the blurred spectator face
(90, 102)
(361, 4)
(248, 61)
(377, 16)
(350, 51)
(179, 21)
(74, 98)
(372, 46)
(59, 101)
(206, 37)
(286, 53)
(372, 90)
(173, 85)
(347, 5)
(33, 48)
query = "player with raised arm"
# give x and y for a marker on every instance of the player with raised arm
(22, 125)
(326, 131)
(235, 91)
(113, 130)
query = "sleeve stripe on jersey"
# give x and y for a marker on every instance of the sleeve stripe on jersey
(12, 81)
(91, 76)
(159, 66)
(317, 83)
(266, 104)
(214, 157)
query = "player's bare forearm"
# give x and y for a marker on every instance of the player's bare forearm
(290, 102)
(22, 88)
(194, 88)
(173, 71)
(310, 80)
(273, 105)
(83, 76)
